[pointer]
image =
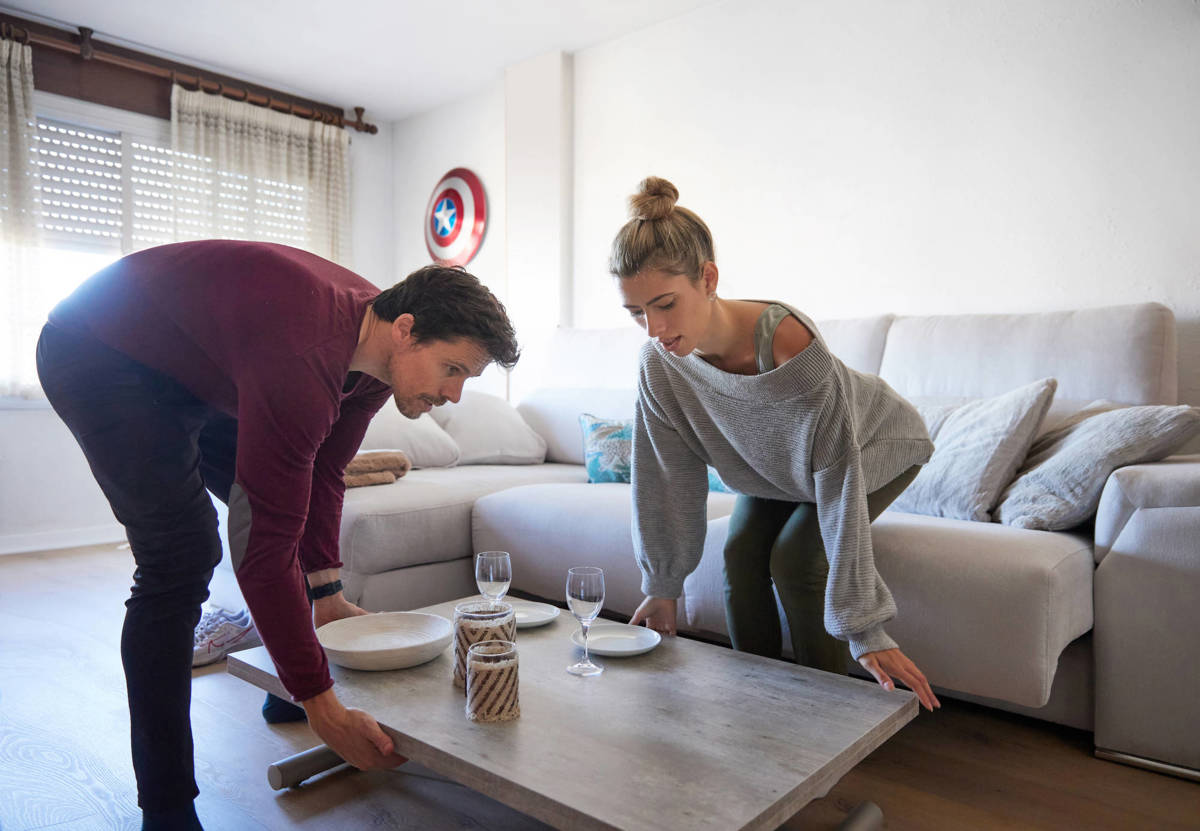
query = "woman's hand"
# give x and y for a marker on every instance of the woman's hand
(658, 613)
(892, 662)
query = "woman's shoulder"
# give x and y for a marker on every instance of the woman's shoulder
(794, 332)
(791, 338)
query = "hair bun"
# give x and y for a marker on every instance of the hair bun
(654, 200)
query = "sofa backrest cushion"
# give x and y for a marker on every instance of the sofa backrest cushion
(578, 358)
(554, 414)
(1125, 354)
(858, 342)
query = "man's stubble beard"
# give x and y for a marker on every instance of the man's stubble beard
(409, 408)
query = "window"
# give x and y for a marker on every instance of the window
(108, 184)
(112, 192)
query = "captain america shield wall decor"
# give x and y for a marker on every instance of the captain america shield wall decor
(455, 218)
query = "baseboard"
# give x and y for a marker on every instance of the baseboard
(70, 538)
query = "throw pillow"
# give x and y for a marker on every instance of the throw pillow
(421, 440)
(488, 431)
(1059, 485)
(715, 483)
(607, 448)
(978, 447)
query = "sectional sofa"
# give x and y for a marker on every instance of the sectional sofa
(1092, 627)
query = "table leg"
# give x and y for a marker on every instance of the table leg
(290, 772)
(866, 817)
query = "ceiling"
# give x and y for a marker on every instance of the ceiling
(394, 57)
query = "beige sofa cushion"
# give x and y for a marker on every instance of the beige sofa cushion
(426, 516)
(1123, 353)
(554, 414)
(857, 342)
(984, 608)
(550, 528)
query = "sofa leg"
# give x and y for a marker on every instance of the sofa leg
(866, 817)
(1148, 764)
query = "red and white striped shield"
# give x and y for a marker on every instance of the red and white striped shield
(455, 218)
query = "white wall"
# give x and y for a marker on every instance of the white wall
(930, 156)
(48, 498)
(371, 196)
(539, 170)
(467, 133)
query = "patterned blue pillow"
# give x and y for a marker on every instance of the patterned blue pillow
(608, 446)
(715, 483)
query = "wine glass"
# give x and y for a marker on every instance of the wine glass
(493, 573)
(585, 597)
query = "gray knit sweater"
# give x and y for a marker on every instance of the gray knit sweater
(811, 430)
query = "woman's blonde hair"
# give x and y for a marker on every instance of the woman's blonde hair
(660, 234)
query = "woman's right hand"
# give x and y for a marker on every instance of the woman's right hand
(658, 613)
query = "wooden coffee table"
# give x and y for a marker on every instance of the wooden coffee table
(689, 735)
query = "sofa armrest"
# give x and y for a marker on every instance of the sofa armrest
(1148, 544)
(1171, 483)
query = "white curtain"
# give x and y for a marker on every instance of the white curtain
(248, 172)
(21, 318)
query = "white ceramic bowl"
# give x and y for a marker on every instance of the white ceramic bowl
(385, 640)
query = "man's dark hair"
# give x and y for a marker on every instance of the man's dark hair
(449, 303)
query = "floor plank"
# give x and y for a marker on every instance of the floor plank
(64, 746)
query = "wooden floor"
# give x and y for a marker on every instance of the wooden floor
(64, 747)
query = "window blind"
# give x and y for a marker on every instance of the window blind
(113, 192)
(80, 186)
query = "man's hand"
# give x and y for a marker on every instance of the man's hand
(350, 733)
(883, 665)
(334, 607)
(658, 613)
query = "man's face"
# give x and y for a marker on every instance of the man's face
(426, 375)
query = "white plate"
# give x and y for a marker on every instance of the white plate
(618, 639)
(530, 614)
(385, 640)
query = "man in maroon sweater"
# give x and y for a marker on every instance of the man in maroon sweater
(250, 370)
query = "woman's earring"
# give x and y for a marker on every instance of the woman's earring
(712, 298)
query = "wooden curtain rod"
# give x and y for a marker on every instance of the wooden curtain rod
(86, 50)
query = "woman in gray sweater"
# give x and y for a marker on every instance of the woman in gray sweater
(814, 449)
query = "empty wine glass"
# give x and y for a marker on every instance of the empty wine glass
(493, 574)
(585, 597)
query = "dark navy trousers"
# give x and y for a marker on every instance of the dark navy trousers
(156, 450)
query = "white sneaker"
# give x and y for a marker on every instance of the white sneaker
(220, 632)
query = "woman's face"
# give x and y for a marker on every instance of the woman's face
(672, 308)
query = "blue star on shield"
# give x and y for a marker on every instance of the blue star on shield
(446, 217)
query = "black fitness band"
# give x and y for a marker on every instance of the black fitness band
(325, 590)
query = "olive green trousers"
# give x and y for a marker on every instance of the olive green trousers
(776, 543)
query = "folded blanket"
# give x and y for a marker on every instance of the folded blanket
(378, 477)
(376, 460)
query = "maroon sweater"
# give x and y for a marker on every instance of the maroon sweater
(264, 333)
